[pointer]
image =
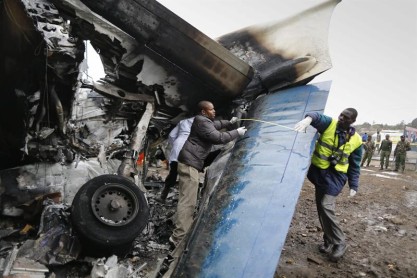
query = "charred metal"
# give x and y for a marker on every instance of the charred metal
(75, 171)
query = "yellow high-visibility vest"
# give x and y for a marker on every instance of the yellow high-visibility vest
(326, 149)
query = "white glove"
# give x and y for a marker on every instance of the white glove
(302, 125)
(241, 130)
(352, 192)
(233, 120)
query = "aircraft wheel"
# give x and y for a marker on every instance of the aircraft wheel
(109, 212)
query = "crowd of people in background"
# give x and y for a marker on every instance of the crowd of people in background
(384, 150)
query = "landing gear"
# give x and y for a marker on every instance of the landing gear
(109, 212)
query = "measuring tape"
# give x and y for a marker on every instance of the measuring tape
(271, 123)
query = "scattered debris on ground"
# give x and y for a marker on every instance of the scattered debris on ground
(49, 247)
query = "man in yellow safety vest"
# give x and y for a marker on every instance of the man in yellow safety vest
(335, 161)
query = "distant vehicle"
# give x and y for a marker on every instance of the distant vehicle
(394, 135)
(411, 135)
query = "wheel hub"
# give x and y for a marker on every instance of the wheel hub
(114, 204)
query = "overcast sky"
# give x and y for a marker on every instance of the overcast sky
(373, 46)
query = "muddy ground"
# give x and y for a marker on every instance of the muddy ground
(380, 223)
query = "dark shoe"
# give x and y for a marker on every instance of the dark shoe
(165, 264)
(338, 252)
(168, 259)
(395, 170)
(381, 168)
(326, 248)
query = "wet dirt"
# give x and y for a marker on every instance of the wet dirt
(380, 224)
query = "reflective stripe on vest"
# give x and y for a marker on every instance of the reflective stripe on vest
(326, 146)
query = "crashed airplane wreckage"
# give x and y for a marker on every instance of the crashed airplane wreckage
(62, 132)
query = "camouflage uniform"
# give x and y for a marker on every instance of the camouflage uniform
(369, 150)
(400, 153)
(385, 150)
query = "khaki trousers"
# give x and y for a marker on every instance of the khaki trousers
(187, 200)
(400, 161)
(326, 205)
(385, 159)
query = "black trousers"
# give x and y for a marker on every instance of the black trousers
(171, 179)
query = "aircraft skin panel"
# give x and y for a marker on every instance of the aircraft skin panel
(288, 51)
(243, 229)
(163, 32)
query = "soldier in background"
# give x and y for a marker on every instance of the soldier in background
(400, 153)
(385, 150)
(369, 150)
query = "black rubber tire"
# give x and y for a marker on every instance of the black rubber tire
(95, 233)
